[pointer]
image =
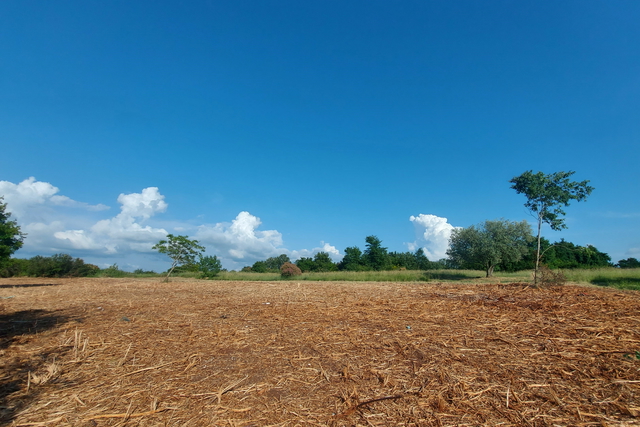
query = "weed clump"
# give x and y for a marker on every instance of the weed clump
(548, 278)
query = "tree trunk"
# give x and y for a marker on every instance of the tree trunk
(490, 270)
(535, 272)
(166, 279)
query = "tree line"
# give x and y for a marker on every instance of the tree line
(498, 245)
(375, 257)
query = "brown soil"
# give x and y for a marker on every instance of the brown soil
(106, 352)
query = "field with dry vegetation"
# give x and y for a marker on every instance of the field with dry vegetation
(135, 352)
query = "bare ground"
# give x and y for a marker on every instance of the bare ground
(107, 352)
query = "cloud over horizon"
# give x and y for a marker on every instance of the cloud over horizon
(432, 235)
(130, 234)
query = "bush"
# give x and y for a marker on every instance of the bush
(113, 271)
(209, 266)
(289, 270)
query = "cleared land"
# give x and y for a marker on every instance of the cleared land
(106, 352)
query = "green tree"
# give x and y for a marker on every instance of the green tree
(376, 257)
(489, 244)
(11, 239)
(273, 264)
(180, 249)
(629, 263)
(352, 260)
(422, 262)
(305, 264)
(323, 262)
(209, 266)
(259, 267)
(546, 196)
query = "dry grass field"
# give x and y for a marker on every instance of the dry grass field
(127, 352)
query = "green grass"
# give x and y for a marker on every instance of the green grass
(381, 276)
(621, 278)
(610, 277)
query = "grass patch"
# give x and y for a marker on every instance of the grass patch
(628, 278)
(462, 276)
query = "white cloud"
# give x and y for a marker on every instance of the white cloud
(241, 240)
(124, 232)
(432, 235)
(27, 199)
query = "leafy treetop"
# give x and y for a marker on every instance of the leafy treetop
(11, 239)
(547, 194)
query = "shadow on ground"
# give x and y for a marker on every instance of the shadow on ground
(30, 285)
(447, 276)
(15, 329)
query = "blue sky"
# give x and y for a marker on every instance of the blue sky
(268, 127)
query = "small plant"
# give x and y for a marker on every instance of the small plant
(289, 270)
(631, 356)
(547, 278)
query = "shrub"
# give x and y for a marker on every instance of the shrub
(289, 270)
(209, 266)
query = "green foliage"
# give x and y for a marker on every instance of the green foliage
(113, 271)
(59, 265)
(353, 260)
(376, 257)
(629, 263)
(270, 265)
(274, 263)
(546, 196)
(11, 239)
(209, 266)
(322, 262)
(180, 249)
(563, 255)
(259, 267)
(288, 270)
(14, 267)
(489, 244)
(305, 264)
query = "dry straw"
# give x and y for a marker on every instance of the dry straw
(122, 352)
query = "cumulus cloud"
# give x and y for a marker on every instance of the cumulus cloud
(432, 235)
(241, 240)
(124, 231)
(30, 196)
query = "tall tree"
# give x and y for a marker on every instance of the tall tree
(11, 239)
(323, 262)
(546, 196)
(376, 257)
(352, 260)
(489, 244)
(180, 249)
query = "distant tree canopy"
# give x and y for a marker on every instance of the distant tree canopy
(561, 255)
(58, 265)
(629, 263)
(270, 265)
(319, 263)
(487, 245)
